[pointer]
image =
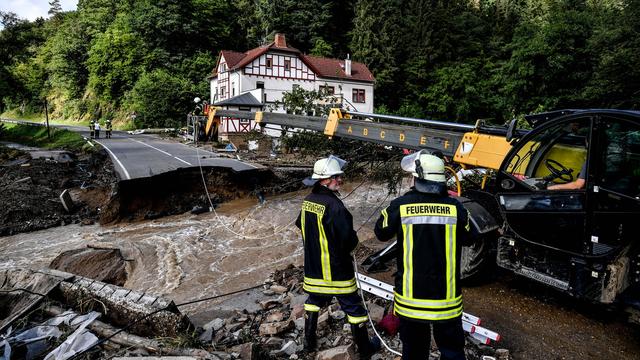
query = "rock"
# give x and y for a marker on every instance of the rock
(293, 357)
(346, 328)
(273, 341)
(269, 303)
(290, 348)
(376, 312)
(275, 317)
(245, 351)
(299, 323)
(338, 315)
(215, 324)
(278, 289)
(234, 327)
(336, 342)
(502, 354)
(268, 292)
(323, 319)
(221, 355)
(345, 352)
(297, 312)
(297, 300)
(275, 328)
(206, 336)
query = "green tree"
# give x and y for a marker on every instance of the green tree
(159, 99)
(321, 48)
(115, 59)
(374, 41)
(54, 7)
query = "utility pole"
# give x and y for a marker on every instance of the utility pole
(46, 116)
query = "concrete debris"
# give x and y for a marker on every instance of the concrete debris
(345, 352)
(273, 330)
(376, 312)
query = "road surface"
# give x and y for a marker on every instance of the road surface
(138, 156)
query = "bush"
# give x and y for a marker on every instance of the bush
(159, 99)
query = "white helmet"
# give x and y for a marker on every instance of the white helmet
(424, 166)
(325, 168)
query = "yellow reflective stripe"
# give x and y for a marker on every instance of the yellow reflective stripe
(427, 315)
(302, 216)
(357, 319)
(324, 251)
(311, 307)
(451, 260)
(407, 276)
(329, 290)
(428, 303)
(447, 250)
(385, 221)
(322, 282)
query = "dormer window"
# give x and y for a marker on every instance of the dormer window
(287, 65)
(269, 63)
(223, 67)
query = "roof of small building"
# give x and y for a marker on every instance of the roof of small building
(323, 67)
(246, 99)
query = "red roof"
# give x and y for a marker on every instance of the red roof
(323, 67)
(334, 68)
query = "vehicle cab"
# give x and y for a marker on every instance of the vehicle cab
(582, 239)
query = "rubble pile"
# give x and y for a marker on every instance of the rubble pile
(31, 189)
(276, 331)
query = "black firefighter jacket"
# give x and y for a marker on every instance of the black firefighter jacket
(430, 229)
(329, 238)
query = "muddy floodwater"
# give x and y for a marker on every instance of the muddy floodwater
(185, 257)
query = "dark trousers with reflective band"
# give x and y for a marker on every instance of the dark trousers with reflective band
(351, 304)
(416, 339)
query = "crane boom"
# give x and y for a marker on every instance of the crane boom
(470, 145)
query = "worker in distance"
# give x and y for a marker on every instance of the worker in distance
(430, 228)
(329, 238)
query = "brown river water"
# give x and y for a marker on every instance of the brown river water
(185, 257)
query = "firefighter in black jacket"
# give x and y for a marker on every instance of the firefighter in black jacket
(430, 227)
(329, 238)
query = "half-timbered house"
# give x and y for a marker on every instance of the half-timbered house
(258, 78)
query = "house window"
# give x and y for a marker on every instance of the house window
(222, 92)
(223, 68)
(358, 96)
(260, 85)
(269, 64)
(287, 65)
(327, 90)
(233, 89)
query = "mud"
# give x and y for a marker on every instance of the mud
(30, 190)
(106, 265)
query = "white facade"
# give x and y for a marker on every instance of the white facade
(278, 72)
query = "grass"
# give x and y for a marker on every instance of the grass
(39, 117)
(37, 136)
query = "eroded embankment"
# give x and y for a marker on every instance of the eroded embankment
(183, 190)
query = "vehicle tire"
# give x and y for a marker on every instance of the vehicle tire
(477, 258)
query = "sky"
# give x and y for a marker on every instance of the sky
(32, 9)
